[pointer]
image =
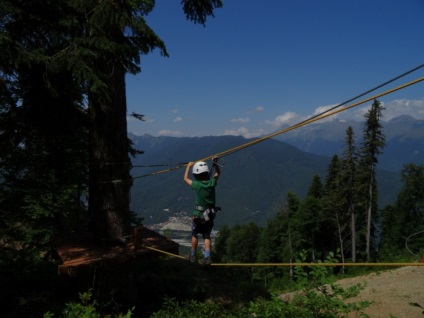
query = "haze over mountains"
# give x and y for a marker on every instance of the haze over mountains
(253, 184)
(255, 180)
(404, 140)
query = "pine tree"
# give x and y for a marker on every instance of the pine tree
(335, 214)
(309, 217)
(279, 239)
(43, 167)
(348, 170)
(119, 34)
(221, 243)
(97, 43)
(271, 242)
(293, 235)
(243, 243)
(373, 143)
(78, 52)
(405, 217)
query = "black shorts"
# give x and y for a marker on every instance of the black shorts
(200, 226)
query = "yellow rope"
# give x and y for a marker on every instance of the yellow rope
(164, 252)
(293, 264)
(303, 123)
(316, 264)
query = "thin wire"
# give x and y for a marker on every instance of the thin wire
(159, 172)
(160, 165)
(300, 124)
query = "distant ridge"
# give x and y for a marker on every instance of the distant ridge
(254, 180)
(404, 140)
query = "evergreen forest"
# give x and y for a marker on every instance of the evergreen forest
(65, 167)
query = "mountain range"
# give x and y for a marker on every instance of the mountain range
(252, 186)
(404, 137)
(256, 179)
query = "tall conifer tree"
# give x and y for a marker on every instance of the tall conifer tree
(404, 218)
(43, 124)
(349, 163)
(310, 217)
(97, 43)
(373, 143)
(334, 207)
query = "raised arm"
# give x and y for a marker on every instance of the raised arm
(187, 179)
(217, 168)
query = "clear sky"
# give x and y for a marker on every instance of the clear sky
(260, 64)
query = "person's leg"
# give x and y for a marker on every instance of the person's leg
(208, 243)
(194, 243)
(208, 247)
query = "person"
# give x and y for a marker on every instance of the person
(204, 211)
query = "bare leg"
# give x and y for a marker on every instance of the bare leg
(207, 248)
(194, 242)
(207, 244)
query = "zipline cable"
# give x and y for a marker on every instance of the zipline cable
(159, 165)
(370, 90)
(162, 171)
(328, 110)
(293, 264)
(315, 118)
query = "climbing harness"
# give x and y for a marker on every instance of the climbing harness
(210, 213)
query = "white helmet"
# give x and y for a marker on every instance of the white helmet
(200, 167)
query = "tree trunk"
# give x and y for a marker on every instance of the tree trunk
(339, 228)
(109, 178)
(291, 256)
(353, 229)
(369, 217)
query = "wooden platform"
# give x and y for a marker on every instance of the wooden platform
(81, 250)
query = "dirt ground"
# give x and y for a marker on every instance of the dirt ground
(395, 293)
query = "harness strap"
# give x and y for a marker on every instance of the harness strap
(202, 208)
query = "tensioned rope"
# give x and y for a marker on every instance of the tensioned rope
(315, 118)
(292, 264)
(318, 264)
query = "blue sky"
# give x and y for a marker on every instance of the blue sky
(261, 64)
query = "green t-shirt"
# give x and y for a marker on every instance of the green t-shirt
(205, 194)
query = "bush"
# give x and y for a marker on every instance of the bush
(326, 302)
(86, 308)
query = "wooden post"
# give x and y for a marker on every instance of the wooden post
(138, 237)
